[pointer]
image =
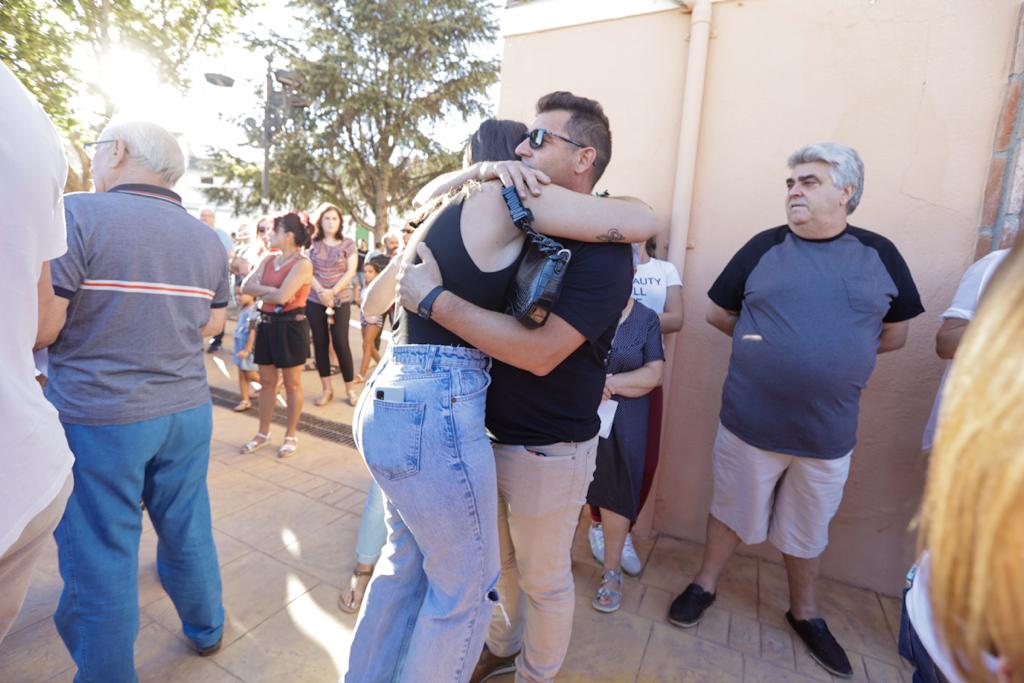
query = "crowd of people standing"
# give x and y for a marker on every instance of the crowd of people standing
(303, 270)
(482, 434)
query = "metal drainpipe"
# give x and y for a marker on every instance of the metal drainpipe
(682, 193)
(689, 131)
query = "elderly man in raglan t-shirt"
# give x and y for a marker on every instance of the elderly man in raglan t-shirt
(137, 415)
(808, 305)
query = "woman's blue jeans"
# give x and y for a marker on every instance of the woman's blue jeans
(426, 612)
(162, 462)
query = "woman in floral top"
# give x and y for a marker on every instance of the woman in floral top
(330, 301)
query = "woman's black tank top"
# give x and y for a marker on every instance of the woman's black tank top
(460, 276)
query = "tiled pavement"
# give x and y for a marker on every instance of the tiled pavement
(285, 533)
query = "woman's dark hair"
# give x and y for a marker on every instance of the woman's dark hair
(651, 245)
(495, 140)
(317, 219)
(298, 225)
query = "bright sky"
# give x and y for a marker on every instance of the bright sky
(204, 114)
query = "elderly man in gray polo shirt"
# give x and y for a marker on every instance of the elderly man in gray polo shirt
(808, 306)
(142, 283)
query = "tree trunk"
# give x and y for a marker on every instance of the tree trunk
(380, 227)
(380, 204)
(76, 182)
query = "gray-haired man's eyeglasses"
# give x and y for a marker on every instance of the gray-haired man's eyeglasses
(90, 147)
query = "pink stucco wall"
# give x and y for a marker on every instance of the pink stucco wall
(914, 85)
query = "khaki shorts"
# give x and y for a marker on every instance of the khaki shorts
(785, 499)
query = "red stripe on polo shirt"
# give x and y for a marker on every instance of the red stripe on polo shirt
(147, 288)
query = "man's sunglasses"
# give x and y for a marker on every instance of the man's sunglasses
(537, 135)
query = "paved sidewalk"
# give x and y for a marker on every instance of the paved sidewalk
(285, 532)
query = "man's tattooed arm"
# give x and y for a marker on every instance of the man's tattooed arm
(613, 235)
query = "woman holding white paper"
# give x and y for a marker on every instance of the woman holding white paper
(635, 367)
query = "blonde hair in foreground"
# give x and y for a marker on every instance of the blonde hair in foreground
(973, 510)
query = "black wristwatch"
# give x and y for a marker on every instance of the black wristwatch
(427, 304)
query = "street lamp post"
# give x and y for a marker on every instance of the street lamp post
(265, 182)
(288, 98)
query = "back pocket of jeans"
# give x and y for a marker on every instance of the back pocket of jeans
(392, 438)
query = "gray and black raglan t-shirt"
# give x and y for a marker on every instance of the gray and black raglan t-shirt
(804, 346)
(140, 275)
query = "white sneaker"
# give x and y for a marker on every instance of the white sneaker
(631, 563)
(596, 536)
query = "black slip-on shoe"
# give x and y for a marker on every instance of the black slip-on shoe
(209, 649)
(688, 608)
(822, 645)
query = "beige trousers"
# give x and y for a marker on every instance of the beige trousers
(16, 564)
(539, 502)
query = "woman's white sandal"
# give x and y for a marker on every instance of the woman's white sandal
(255, 443)
(609, 595)
(291, 444)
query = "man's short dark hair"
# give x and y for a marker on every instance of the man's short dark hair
(588, 125)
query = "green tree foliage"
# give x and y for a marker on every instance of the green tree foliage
(38, 39)
(167, 32)
(377, 74)
(240, 186)
(34, 46)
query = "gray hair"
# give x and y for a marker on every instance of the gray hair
(150, 146)
(847, 167)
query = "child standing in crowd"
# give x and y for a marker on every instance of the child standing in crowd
(373, 324)
(245, 340)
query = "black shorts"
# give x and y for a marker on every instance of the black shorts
(282, 340)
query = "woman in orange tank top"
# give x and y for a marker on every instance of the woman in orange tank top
(282, 282)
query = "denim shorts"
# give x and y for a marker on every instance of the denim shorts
(247, 363)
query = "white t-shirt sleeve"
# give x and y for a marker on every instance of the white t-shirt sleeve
(54, 235)
(672, 278)
(972, 284)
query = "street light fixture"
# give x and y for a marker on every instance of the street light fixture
(219, 80)
(287, 98)
(289, 79)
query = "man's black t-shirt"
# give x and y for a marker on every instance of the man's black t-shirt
(523, 408)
